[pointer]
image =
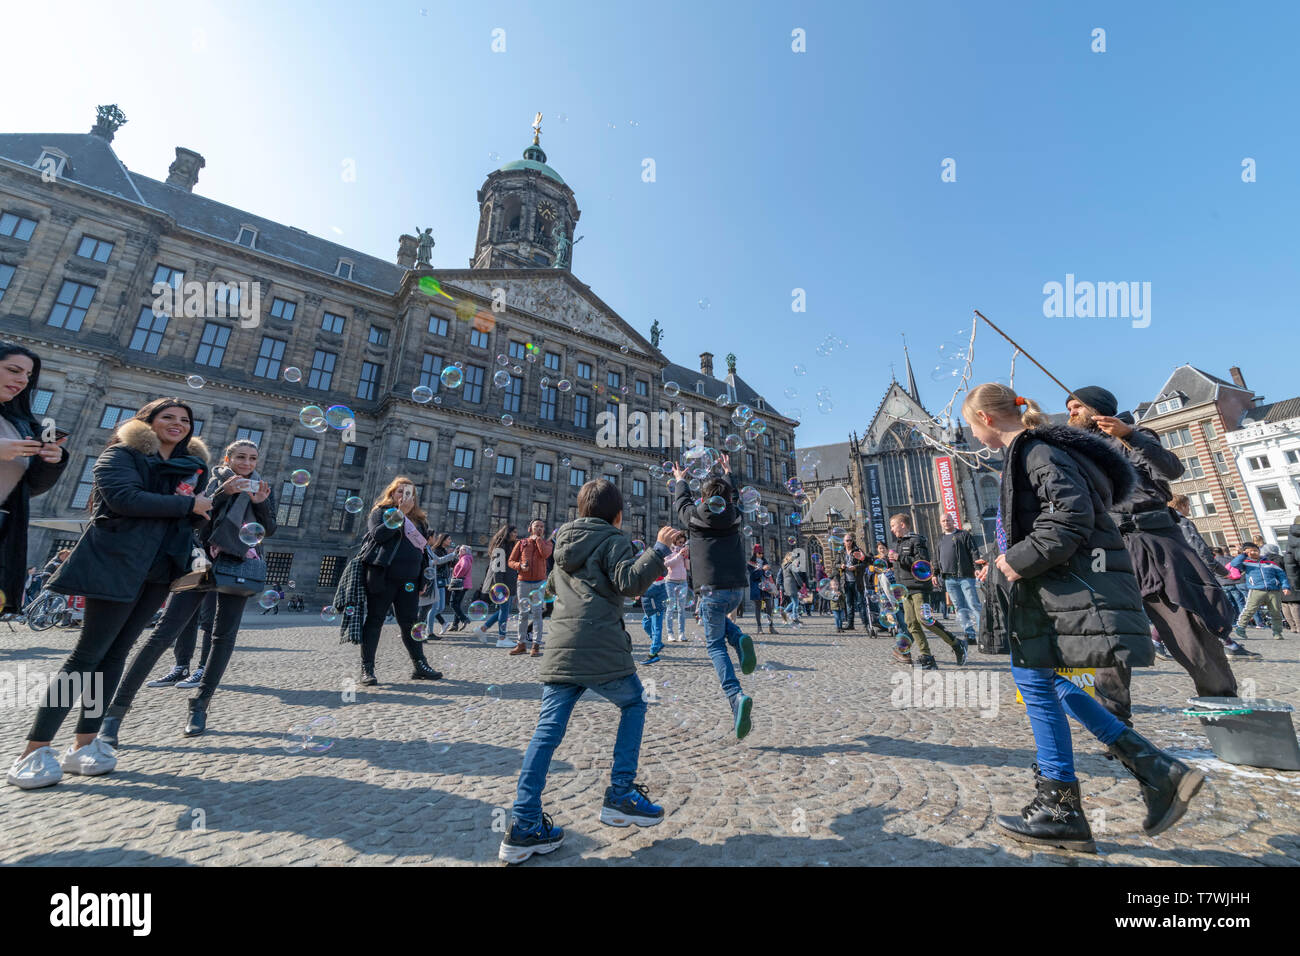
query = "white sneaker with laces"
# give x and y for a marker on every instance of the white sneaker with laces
(91, 760)
(507, 642)
(40, 768)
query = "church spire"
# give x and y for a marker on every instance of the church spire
(911, 379)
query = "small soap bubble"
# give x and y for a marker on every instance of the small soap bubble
(478, 611)
(312, 416)
(269, 599)
(458, 483)
(507, 420)
(393, 519)
(292, 374)
(672, 389)
(300, 478)
(704, 303)
(339, 417)
(353, 505)
(499, 593)
(329, 614)
(252, 534)
(422, 394)
(452, 377)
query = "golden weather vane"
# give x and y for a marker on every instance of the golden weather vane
(537, 129)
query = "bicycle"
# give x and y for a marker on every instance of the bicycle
(46, 610)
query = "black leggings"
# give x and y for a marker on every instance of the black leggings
(458, 598)
(761, 605)
(109, 630)
(383, 592)
(189, 636)
(181, 616)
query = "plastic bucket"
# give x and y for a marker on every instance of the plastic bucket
(1252, 732)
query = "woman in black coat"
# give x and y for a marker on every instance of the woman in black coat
(144, 506)
(1291, 565)
(1072, 601)
(28, 466)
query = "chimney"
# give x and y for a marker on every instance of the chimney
(706, 363)
(184, 172)
(406, 251)
(1237, 376)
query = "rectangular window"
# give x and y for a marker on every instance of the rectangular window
(340, 520)
(1210, 430)
(437, 326)
(16, 227)
(430, 369)
(500, 510)
(368, 387)
(1220, 463)
(114, 415)
(148, 334)
(268, 358)
(749, 464)
(1194, 469)
(6, 276)
(1292, 456)
(417, 450)
(552, 361)
(1270, 498)
(291, 497)
(547, 408)
(41, 401)
(463, 458)
(581, 411)
(477, 339)
(663, 502)
(279, 567)
(378, 336)
(612, 479)
(354, 455)
(81, 496)
(517, 350)
(197, 426)
(322, 370)
(331, 569)
(92, 248)
(303, 448)
(71, 306)
(780, 443)
(505, 465)
(169, 276)
(584, 370)
(511, 395)
(577, 477)
(457, 509)
(1234, 502)
(212, 345)
(611, 409)
(1258, 462)
(614, 379)
(329, 322)
(767, 470)
(642, 387)
(540, 511)
(252, 434)
(283, 309)
(638, 488)
(542, 470)
(473, 384)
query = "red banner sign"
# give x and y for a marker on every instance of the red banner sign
(948, 497)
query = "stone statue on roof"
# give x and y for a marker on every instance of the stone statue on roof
(656, 333)
(731, 363)
(110, 118)
(424, 247)
(561, 246)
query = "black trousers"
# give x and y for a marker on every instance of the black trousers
(107, 633)
(851, 598)
(383, 592)
(1189, 642)
(761, 606)
(457, 599)
(182, 615)
(186, 640)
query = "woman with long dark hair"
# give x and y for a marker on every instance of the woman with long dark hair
(239, 498)
(395, 552)
(28, 465)
(441, 557)
(144, 506)
(499, 572)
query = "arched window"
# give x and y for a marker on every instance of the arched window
(513, 216)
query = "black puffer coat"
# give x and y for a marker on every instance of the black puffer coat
(716, 546)
(137, 516)
(1077, 603)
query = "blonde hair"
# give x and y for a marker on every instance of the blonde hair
(386, 500)
(999, 401)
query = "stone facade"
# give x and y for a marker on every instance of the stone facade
(1267, 455)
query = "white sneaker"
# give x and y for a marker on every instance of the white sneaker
(40, 768)
(91, 760)
(507, 642)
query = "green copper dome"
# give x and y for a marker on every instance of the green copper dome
(533, 159)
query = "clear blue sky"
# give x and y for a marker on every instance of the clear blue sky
(775, 170)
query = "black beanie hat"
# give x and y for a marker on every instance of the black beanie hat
(1098, 399)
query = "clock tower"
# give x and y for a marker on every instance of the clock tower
(527, 214)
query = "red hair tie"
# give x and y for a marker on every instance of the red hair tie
(1020, 401)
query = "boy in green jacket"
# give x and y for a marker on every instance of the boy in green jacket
(588, 647)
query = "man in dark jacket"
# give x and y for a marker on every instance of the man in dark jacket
(957, 555)
(913, 571)
(596, 567)
(1182, 599)
(719, 571)
(852, 574)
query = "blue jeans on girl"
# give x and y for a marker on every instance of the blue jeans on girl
(1048, 698)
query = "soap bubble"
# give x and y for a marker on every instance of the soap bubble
(501, 378)
(409, 587)
(329, 614)
(492, 693)
(393, 519)
(566, 462)
(623, 348)
(758, 426)
(269, 599)
(195, 381)
(749, 498)
(489, 452)
(764, 517)
(748, 530)
(741, 416)
(721, 401)
(545, 382)
(478, 611)
(312, 416)
(927, 615)
(716, 504)
(422, 394)
(792, 393)
(638, 545)
(733, 443)
(292, 374)
(353, 505)
(897, 592)
(420, 632)
(451, 377)
(507, 420)
(339, 416)
(922, 571)
(458, 483)
(502, 361)
(800, 370)
(791, 540)
(252, 534)
(672, 389)
(517, 370)
(499, 593)
(825, 406)
(704, 303)
(439, 742)
(300, 478)
(291, 585)
(618, 466)
(564, 385)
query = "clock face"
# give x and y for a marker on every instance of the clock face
(546, 211)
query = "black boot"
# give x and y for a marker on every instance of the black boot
(422, 671)
(368, 678)
(1053, 818)
(1167, 784)
(198, 721)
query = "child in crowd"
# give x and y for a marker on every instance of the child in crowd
(836, 601)
(653, 604)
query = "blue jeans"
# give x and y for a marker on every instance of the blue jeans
(437, 607)
(719, 631)
(839, 617)
(653, 603)
(558, 701)
(678, 592)
(792, 608)
(500, 615)
(964, 594)
(1048, 698)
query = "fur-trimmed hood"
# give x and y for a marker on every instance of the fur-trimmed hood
(140, 436)
(1097, 449)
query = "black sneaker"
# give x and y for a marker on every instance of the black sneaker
(928, 663)
(368, 678)
(174, 677)
(520, 844)
(959, 650)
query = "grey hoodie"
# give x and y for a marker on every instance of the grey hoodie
(595, 569)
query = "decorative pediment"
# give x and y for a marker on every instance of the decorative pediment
(555, 299)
